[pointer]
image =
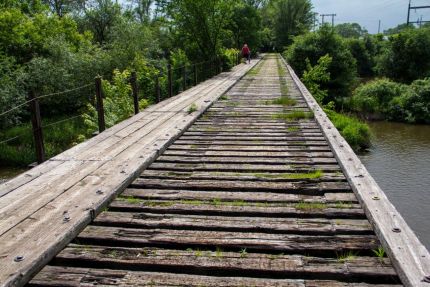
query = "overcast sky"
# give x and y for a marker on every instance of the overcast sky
(368, 12)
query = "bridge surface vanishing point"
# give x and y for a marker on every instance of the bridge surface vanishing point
(251, 194)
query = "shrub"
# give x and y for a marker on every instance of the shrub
(407, 56)
(355, 132)
(317, 75)
(315, 45)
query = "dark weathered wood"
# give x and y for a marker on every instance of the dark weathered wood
(57, 276)
(134, 88)
(237, 208)
(100, 108)
(236, 196)
(286, 243)
(36, 123)
(303, 187)
(315, 226)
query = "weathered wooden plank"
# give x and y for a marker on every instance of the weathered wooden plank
(252, 142)
(319, 226)
(309, 176)
(57, 276)
(245, 167)
(283, 187)
(248, 160)
(365, 269)
(248, 148)
(266, 197)
(234, 208)
(409, 256)
(253, 154)
(286, 243)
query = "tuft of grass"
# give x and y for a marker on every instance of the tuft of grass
(293, 129)
(380, 252)
(346, 256)
(192, 108)
(283, 101)
(343, 205)
(132, 199)
(243, 253)
(310, 206)
(224, 98)
(295, 115)
(218, 252)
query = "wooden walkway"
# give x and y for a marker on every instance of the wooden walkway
(252, 194)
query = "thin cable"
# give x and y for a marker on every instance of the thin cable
(11, 139)
(41, 97)
(63, 120)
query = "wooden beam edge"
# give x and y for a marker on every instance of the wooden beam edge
(409, 256)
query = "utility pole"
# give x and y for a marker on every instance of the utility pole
(328, 15)
(415, 8)
(315, 21)
(379, 27)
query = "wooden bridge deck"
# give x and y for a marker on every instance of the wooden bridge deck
(248, 195)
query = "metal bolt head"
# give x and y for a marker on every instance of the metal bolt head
(18, 258)
(122, 171)
(99, 191)
(396, 230)
(426, 279)
(376, 198)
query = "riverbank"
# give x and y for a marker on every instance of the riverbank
(399, 160)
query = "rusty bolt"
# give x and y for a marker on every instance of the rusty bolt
(18, 258)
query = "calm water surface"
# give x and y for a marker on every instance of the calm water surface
(400, 162)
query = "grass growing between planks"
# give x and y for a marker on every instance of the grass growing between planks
(292, 116)
(192, 108)
(310, 206)
(283, 101)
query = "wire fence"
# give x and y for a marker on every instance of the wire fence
(36, 121)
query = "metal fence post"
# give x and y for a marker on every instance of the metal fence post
(36, 122)
(133, 82)
(195, 74)
(169, 79)
(157, 89)
(100, 109)
(184, 78)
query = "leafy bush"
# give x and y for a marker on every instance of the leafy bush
(394, 101)
(314, 76)
(355, 132)
(407, 56)
(315, 45)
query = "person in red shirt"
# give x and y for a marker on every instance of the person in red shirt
(246, 53)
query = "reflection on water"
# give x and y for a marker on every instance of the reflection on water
(400, 162)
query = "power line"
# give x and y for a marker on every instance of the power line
(415, 8)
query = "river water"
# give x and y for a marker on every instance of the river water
(399, 161)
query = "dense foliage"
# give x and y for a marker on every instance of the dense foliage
(394, 101)
(313, 46)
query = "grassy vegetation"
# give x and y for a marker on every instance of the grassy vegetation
(224, 98)
(57, 138)
(255, 70)
(192, 108)
(380, 252)
(283, 101)
(310, 206)
(355, 132)
(293, 129)
(346, 256)
(295, 115)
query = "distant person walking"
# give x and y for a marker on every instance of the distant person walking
(246, 53)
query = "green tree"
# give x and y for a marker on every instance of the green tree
(350, 30)
(245, 25)
(398, 29)
(201, 25)
(316, 75)
(315, 45)
(407, 56)
(291, 18)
